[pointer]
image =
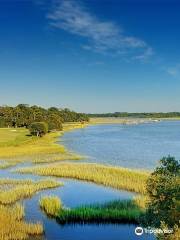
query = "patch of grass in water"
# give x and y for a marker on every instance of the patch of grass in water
(116, 177)
(20, 190)
(119, 211)
(50, 204)
(112, 212)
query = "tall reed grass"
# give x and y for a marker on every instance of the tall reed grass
(50, 204)
(25, 190)
(12, 226)
(111, 212)
(126, 211)
(13, 182)
(116, 177)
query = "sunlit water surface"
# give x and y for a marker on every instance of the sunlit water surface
(132, 146)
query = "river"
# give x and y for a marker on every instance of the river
(132, 146)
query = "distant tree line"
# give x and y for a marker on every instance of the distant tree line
(137, 115)
(24, 115)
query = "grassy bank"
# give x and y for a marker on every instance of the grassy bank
(116, 177)
(28, 145)
(14, 137)
(16, 143)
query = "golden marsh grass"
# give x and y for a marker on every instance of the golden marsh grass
(50, 204)
(24, 190)
(116, 177)
(55, 157)
(12, 226)
(7, 164)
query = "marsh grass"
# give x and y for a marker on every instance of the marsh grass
(56, 157)
(40, 158)
(24, 190)
(12, 226)
(50, 204)
(9, 181)
(126, 211)
(112, 212)
(116, 177)
(7, 164)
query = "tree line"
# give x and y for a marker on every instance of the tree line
(24, 115)
(137, 115)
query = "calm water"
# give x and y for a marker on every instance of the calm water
(72, 194)
(133, 146)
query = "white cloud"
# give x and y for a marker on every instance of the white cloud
(174, 71)
(145, 55)
(102, 36)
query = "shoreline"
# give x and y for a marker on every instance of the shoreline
(124, 121)
(37, 147)
(128, 121)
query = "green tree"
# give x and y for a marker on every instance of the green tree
(54, 122)
(163, 188)
(38, 128)
(2, 123)
(23, 115)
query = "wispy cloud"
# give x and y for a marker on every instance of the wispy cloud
(174, 70)
(102, 36)
(148, 52)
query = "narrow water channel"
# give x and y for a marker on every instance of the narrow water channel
(72, 194)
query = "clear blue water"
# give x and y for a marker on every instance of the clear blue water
(132, 146)
(72, 194)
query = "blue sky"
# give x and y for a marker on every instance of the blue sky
(91, 56)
